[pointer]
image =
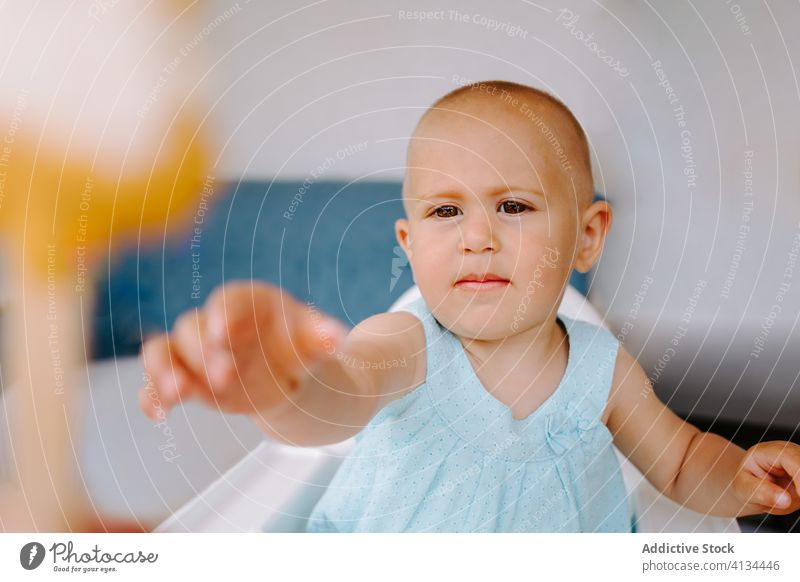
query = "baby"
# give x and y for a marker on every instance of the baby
(501, 413)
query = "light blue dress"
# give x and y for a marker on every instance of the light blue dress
(449, 456)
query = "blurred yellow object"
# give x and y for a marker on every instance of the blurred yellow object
(55, 200)
(103, 144)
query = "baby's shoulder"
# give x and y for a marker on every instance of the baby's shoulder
(629, 383)
(395, 344)
(396, 332)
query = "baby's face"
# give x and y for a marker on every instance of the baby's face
(487, 197)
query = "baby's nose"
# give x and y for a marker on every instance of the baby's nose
(479, 235)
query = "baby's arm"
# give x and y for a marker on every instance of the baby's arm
(253, 349)
(702, 471)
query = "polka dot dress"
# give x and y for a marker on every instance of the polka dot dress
(449, 456)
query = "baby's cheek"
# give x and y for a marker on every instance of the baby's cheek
(552, 256)
(543, 265)
(424, 271)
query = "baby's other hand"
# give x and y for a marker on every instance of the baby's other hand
(768, 478)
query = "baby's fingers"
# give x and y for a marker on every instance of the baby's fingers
(777, 458)
(790, 461)
(208, 364)
(150, 403)
(764, 493)
(165, 378)
(237, 311)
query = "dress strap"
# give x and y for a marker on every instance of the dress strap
(434, 336)
(594, 350)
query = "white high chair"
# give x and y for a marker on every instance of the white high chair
(275, 487)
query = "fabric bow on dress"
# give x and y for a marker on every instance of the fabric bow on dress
(566, 428)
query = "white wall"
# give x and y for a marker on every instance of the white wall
(298, 82)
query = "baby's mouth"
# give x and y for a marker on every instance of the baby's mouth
(482, 282)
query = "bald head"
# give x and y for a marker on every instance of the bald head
(557, 136)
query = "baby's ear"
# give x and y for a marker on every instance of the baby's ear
(595, 224)
(403, 235)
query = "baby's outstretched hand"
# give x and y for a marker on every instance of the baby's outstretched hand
(246, 350)
(768, 478)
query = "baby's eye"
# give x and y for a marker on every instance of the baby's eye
(448, 211)
(514, 207)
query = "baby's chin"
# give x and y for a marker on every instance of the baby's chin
(476, 323)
